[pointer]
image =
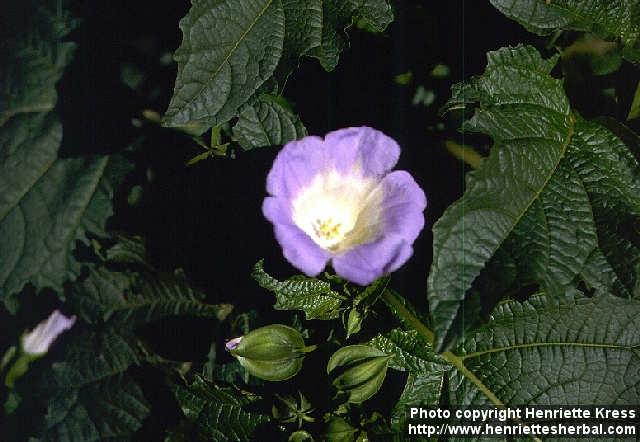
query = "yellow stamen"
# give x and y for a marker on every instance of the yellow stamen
(328, 229)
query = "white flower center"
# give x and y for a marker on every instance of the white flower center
(339, 211)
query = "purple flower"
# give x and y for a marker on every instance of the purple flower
(337, 200)
(38, 340)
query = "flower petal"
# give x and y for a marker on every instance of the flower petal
(277, 210)
(295, 166)
(376, 152)
(367, 262)
(403, 204)
(300, 250)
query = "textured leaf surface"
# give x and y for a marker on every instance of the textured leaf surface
(543, 352)
(540, 352)
(89, 394)
(374, 15)
(105, 411)
(46, 203)
(420, 390)
(371, 15)
(140, 297)
(217, 413)
(558, 195)
(618, 19)
(303, 19)
(311, 295)
(33, 57)
(229, 49)
(410, 352)
(90, 397)
(266, 122)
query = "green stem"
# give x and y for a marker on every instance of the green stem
(428, 336)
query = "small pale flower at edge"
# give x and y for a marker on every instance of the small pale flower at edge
(337, 200)
(35, 344)
(37, 341)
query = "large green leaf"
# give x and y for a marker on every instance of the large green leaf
(233, 51)
(267, 122)
(555, 201)
(580, 351)
(229, 48)
(47, 203)
(313, 296)
(543, 351)
(217, 413)
(619, 19)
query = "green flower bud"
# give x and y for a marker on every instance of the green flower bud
(359, 371)
(272, 353)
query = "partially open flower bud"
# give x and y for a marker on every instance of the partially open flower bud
(272, 353)
(35, 344)
(38, 340)
(359, 371)
(231, 344)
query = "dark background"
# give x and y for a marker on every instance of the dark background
(206, 218)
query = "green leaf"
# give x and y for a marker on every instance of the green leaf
(547, 352)
(140, 294)
(89, 396)
(33, 57)
(426, 371)
(311, 295)
(48, 203)
(114, 409)
(371, 15)
(354, 322)
(410, 352)
(141, 297)
(218, 413)
(229, 49)
(420, 390)
(266, 122)
(557, 197)
(303, 19)
(634, 110)
(127, 250)
(608, 19)
(543, 352)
